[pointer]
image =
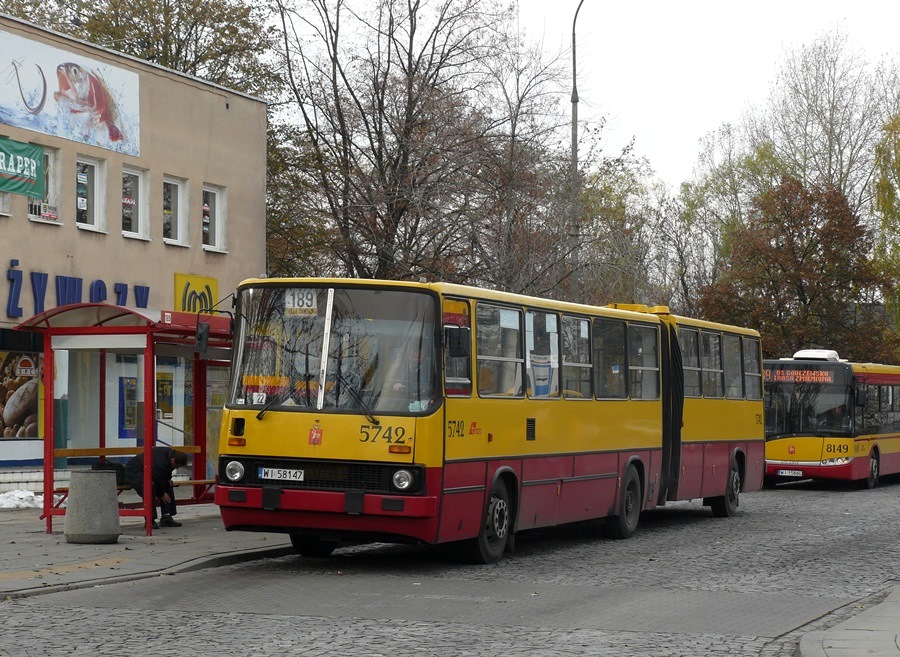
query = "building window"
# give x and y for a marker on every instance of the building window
(213, 217)
(4, 204)
(174, 214)
(134, 203)
(47, 208)
(89, 194)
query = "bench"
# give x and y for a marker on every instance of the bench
(203, 486)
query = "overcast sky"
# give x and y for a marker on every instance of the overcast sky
(667, 72)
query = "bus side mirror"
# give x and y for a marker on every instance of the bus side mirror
(457, 340)
(861, 396)
(201, 340)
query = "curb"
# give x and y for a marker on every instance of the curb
(191, 565)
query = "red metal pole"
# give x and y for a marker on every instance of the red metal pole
(49, 432)
(149, 430)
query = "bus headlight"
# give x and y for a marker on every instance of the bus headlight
(402, 479)
(234, 471)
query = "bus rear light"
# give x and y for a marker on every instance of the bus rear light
(400, 449)
(237, 442)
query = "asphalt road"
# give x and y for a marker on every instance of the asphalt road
(795, 559)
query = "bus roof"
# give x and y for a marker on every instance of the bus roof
(625, 311)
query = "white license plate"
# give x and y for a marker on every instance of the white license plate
(790, 473)
(281, 474)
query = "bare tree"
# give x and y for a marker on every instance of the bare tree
(384, 96)
(824, 116)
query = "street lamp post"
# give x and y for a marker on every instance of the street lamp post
(575, 223)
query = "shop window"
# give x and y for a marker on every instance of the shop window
(175, 194)
(134, 203)
(47, 208)
(89, 193)
(213, 217)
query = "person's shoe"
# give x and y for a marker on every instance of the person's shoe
(154, 525)
(169, 521)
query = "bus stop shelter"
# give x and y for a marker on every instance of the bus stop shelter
(113, 376)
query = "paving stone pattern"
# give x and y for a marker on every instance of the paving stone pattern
(796, 559)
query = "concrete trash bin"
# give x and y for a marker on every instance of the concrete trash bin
(92, 509)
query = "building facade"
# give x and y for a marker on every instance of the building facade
(121, 183)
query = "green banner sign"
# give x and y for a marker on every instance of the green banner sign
(21, 168)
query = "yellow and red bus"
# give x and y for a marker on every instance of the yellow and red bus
(366, 410)
(827, 418)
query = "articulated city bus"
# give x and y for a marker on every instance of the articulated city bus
(827, 418)
(364, 410)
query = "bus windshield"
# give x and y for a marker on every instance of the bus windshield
(807, 399)
(335, 350)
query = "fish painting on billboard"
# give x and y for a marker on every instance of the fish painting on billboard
(82, 90)
(94, 102)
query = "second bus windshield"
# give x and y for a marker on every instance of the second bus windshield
(803, 399)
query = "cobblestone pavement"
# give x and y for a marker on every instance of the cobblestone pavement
(796, 559)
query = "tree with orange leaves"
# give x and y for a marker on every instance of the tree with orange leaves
(801, 272)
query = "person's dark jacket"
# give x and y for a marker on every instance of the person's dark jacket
(162, 468)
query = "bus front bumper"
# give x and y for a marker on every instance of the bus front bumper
(817, 470)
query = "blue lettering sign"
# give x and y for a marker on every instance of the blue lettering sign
(121, 290)
(98, 292)
(141, 295)
(68, 290)
(13, 309)
(39, 290)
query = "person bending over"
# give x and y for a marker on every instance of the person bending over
(165, 461)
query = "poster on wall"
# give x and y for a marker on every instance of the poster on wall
(164, 399)
(60, 93)
(128, 407)
(19, 394)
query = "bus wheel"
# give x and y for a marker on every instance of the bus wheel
(312, 546)
(727, 504)
(491, 542)
(871, 481)
(625, 522)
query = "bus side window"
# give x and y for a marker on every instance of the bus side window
(542, 354)
(731, 361)
(499, 345)
(576, 358)
(711, 362)
(457, 348)
(643, 362)
(609, 359)
(456, 361)
(753, 388)
(689, 341)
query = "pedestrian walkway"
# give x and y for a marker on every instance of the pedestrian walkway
(34, 562)
(874, 632)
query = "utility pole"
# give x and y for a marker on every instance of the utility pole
(575, 223)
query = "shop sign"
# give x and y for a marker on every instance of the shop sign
(194, 294)
(69, 289)
(21, 168)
